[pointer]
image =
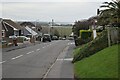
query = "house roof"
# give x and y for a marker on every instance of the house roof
(27, 24)
(30, 24)
(11, 23)
(31, 31)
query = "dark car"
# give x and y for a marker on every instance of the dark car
(46, 37)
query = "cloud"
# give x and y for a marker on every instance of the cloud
(45, 11)
(54, 0)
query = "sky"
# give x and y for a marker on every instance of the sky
(46, 10)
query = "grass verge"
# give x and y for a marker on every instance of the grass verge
(103, 64)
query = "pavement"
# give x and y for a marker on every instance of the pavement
(39, 61)
(62, 68)
(20, 45)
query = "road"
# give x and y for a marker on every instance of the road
(37, 61)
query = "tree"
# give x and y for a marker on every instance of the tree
(111, 13)
(80, 25)
(56, 33)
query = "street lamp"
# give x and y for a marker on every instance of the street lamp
(50, 25)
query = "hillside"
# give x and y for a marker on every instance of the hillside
(103, 64)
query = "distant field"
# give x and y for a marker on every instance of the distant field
(64, 30)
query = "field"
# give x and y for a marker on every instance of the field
(64, 30)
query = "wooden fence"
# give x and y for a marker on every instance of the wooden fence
(113, 34)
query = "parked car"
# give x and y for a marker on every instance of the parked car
(70, 38)
(3, 42)
(60, 38)
(63, 38)
(54, 38)
(23, 37)
(46, 37)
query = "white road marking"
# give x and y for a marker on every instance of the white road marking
(37, 49)
(66, 59)
(43, 47)
(30, 52)
(17, 57)
(71, 43)
(60, 59)
(2, 62)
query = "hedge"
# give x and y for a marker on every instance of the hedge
(85, 34)
(92, 47)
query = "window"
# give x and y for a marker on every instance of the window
(3, 33)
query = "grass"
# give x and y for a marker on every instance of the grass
(78, 49)
(103, 64)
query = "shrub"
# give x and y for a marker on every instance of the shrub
(92, 47)
(85, 37)
(80, 41)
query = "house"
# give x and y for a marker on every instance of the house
(31, 28)
(0, 29)
(10, 28)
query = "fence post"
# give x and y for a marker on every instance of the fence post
(108, 32)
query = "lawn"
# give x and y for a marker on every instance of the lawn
(103, 64)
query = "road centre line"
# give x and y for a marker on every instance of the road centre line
(30, 52)
(17, 57)
(37, 49)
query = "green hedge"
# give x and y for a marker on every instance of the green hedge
(80, 41)
(85, 37)
(85, 34)
(92, 47)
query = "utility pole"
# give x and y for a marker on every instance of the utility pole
(94, 29)
(108, 31)
(50, 25)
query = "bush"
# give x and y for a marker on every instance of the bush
(80, 41)
(85, 37)
(92, 47)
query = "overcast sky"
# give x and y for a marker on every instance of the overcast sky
(45, 10)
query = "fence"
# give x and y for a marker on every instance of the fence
(113, 35)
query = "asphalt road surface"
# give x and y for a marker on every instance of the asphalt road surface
(38, 61)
